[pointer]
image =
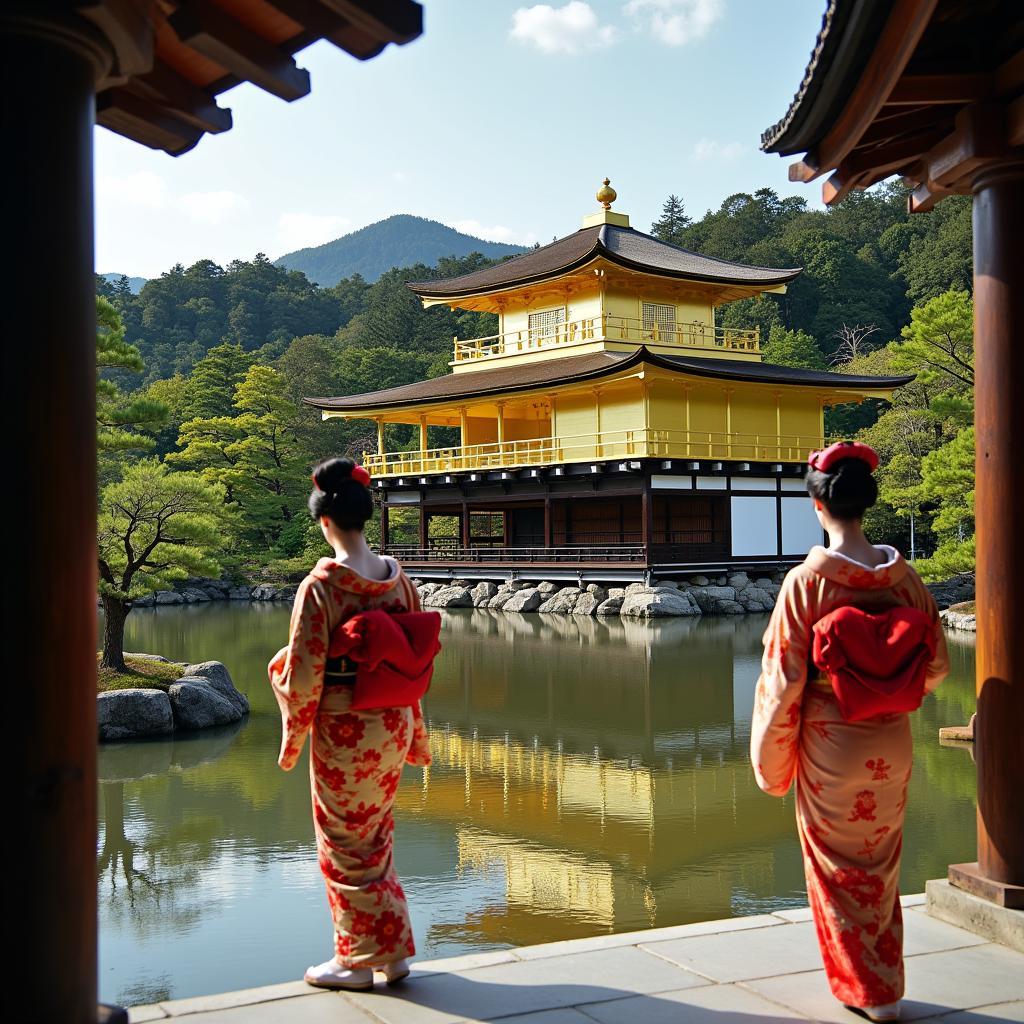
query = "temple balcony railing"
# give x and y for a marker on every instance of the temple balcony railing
(605, 445)
(691, 337)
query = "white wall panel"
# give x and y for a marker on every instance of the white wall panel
(754, 526)
(753, 483)
(677, 483)
(800, 527)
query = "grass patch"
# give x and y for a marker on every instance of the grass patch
(964, 608)
(142, 674)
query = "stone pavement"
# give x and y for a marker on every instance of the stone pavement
(754, 970)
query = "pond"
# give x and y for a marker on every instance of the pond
(589, 776)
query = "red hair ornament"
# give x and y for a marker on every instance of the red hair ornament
(359, 474)
(824, 460)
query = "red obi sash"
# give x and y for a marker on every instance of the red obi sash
(876, 662)
(394, 656)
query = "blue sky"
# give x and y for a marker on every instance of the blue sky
(501, 120)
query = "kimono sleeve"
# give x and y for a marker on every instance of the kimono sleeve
(775, 729)
(938, 667)
(419, 749)
(297, 671)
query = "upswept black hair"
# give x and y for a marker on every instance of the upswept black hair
(847, 490)
(335, 494)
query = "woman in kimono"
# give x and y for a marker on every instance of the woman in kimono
(851, 776)
(356, 757)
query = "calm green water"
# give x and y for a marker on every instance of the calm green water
(588, 777)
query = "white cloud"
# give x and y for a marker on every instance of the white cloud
(676, 22)
(711, 149)
(567, 29)
(302, 230)
(212, 207)
(493, 233)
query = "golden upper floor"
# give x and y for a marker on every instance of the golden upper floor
(602, 288)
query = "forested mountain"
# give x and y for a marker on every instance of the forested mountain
(134, 283)
(399, 241)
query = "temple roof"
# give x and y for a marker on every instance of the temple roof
(623, 246)
(571, 369)
(171, 59)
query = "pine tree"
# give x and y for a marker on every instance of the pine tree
(672, 223)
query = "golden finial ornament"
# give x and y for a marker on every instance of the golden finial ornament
(606, 195)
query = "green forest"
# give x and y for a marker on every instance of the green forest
(205, 446)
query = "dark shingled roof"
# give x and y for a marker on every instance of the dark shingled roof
(623, 246)
(566, 369)
(849, 30)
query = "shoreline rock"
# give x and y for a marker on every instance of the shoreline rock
(203, 696)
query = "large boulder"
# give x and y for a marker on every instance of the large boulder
(598, 591)
(197, 705)
(612, 606)
(193, 595)
(547, 588)
(501, 598)
(240, 593)
(449, 597)
(129, 714)
(738, 580)
(705, 597)
(562, 601)
(586, 604)
(528, 600)
(169, 597)
(217, 676)
(656, 603)
(725, 607)
(483, 592)
(426, 589)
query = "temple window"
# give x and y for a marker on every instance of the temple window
(661, 318)
(545, 324)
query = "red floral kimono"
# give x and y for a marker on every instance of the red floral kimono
(356, 760)
(851, 777)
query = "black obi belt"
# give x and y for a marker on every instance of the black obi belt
(340, 671)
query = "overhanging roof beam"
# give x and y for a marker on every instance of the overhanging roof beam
(321, 21)
(145, 122)
(925, 90)
(218, 37)
(166, 87)
(396, 21)
(900, 36)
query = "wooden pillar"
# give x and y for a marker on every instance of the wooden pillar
(999, 421)
(51, 59)
(464, 523)
(384, 525)
(380, 437)
(423, 524)
(646, 516)
(423, 435)
(547, 520)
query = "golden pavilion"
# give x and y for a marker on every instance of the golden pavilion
(609, 430)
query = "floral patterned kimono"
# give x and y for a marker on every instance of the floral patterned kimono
(851, 777)
(356, 760)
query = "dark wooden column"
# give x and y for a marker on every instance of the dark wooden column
(547, 520)
(464, 524)
(647, 517)
(999, 420)
(384, 524)
(423, 523)
(51, 61)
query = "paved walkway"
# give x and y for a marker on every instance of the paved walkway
(756, 970)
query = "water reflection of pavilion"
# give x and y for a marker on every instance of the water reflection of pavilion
(599, 816)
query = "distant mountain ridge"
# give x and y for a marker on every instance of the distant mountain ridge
(398, 241)
(134, 283)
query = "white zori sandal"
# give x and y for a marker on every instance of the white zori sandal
(394, 972)
(330, 974)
